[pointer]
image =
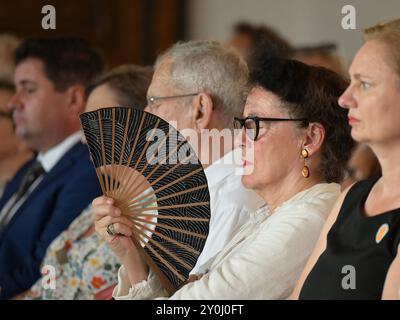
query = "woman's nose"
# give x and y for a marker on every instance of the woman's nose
(243, 136)
(238, 139)
(246, 138)
(346, 100)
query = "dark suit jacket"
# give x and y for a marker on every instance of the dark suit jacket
(59, 198)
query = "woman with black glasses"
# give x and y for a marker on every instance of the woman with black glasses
(296, 142)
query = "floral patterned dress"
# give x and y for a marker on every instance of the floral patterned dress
(84, 264)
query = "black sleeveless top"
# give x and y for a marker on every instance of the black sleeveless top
(359, 251)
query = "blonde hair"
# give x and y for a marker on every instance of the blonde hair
(8, 44)
(388, 33)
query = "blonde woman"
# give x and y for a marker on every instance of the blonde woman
(356, 256)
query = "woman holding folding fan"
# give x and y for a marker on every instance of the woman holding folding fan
(84, 264)
(301, 143)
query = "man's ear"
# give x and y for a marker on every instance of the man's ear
(203, 108)
(77, 99)
(314, 137)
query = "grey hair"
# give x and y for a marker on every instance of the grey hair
(208, 66)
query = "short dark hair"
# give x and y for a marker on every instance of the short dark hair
(266, 43)
(67, 60)
(128, 82)
(312, 92)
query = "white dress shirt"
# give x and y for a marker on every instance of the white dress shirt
(263, 260)
(230, 204)
(50, 158)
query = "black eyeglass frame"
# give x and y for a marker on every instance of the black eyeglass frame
(256, 119)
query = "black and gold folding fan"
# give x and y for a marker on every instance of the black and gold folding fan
(155, 178)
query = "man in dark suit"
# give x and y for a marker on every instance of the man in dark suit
(49, 191)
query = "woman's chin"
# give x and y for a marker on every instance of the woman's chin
(358, 136)
(248, 181)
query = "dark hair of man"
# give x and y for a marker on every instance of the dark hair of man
(66, 60)
(266, 43)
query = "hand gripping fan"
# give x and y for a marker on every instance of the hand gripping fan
(155, 178)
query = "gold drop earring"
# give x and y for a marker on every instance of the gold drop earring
(305, 171)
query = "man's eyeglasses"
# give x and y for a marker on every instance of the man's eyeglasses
(7, 115)
(152, 100)
(251, 124)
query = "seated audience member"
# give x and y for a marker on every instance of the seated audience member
(49, 191)
(255, 43)
(324, 55)
(86, 267)
(183, 93)
(356, 256)
(13, 153)
(301, 142)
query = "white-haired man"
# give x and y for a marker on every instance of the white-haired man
(199, 86)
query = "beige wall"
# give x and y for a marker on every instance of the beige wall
(301, 21)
